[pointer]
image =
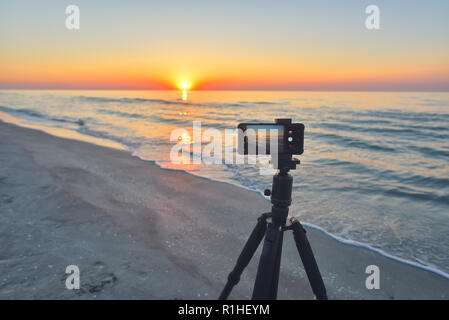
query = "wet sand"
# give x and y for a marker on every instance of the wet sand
(140, 232)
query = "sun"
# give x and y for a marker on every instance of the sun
(184, 85)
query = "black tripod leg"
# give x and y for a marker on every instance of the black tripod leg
(308, 260)
(245, 257)
(263, 288)
(277, 266)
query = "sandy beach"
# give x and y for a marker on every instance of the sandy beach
(137, 231)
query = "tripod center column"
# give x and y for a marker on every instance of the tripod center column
(281, 197)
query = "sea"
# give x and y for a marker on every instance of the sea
(374, 172)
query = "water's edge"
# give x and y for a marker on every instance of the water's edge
(8, 118)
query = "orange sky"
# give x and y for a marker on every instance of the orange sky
(268, 47)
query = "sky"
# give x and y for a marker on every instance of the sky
(220, 45)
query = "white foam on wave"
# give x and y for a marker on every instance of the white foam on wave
(429, 268)
(354, 243)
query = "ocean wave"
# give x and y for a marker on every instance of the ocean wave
(36, 114)
(27, 112)
(351, 128)
(127, 100)
(427, 196)
(122, 114)
(259, 102)
(430, 152)
(352, 142)
(407, 115)
(379, 189)
(427, 181)
(103, 135)
(173, 118)
(179, 102)
(429, 101)
(410, 134)
(413, 186)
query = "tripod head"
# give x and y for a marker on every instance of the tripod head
(286, 162)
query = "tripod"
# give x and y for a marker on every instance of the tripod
(272, 225)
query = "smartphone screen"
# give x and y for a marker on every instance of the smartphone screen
(260, 138)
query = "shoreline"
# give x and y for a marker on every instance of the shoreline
(342, 240)
(326, 240)
(105, 142)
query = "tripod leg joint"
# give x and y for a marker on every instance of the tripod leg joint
(295, 226)
(264, 216)
(233, 278)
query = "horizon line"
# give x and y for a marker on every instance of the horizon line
(230, 89)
